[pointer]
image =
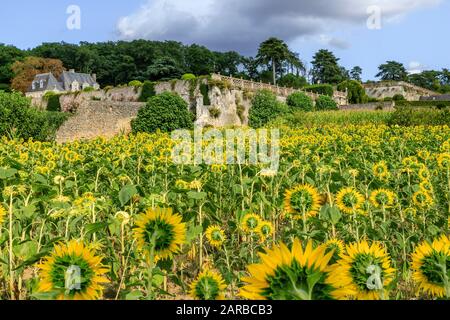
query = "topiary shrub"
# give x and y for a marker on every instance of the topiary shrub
(388, 99)
(135, 83)
(188, 76)
(300, 101)
(265, 107)
(356, 92)
(204, 89)
(323, 89)
(165, 112)
(326, 103)
(53, 103)
(148, 91)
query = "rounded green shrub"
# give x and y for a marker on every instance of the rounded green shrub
(135, 83)
(188, 76)
(355, 90)
(300, 101)
(165, 112)
(326, 103)
(324, 89)
(265, 107)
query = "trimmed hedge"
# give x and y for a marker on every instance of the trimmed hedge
(405, 116)
(53, 103)
(323, 89)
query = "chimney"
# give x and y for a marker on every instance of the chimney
(72, 70)
(94, 76)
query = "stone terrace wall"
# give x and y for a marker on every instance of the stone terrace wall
(386, 106)
(388, 89)
(99, 119)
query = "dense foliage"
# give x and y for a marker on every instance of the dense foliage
(356, 92)
(19, 120)
(148, 91)
(300, 101)
(324, 89)
(265, 107)
(164, 112)
(325, 103)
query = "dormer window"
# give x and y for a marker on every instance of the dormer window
(41, 84)
(33, 85)
(75, 86)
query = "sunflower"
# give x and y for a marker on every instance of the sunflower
(349, 200)
(380, 170)
(209, 285)
(426, 186)
(72, 272)
(382, 198)
(215, 235)
(250, 222)
(363, 273)
(337, 246)
(424, 174)
(302, 199)
(2, 214)
(161, 229)
(283, 274)
(422, 199)
(443, 161)
(265, 230)
(431, 267)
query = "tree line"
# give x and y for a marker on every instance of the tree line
(120, 62)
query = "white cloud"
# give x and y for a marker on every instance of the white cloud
(415, 67)
(241, 25)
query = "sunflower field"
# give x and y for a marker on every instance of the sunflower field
(354, 212)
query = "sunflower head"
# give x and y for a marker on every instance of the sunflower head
(422, 200)
(283, 274)
(426, 186)
(363, 273)
(302, 199)
(349, 200)
(209, 285)
(381, 171)
(382, 198)
(161, 232)
(215, 235)
(265, 230)
(443, 161)
(250, 222)
(72, 272)
(431, 267)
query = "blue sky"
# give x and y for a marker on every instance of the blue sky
(413, 32)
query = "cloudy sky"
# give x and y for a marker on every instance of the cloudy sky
(360, 32)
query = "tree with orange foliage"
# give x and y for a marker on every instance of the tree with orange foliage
(26, 70)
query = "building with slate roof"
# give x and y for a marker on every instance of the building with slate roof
(69, 81)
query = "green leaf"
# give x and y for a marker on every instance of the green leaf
(193, 232)
(7, 173)
(134, 295)
(196, 195)
(25, 250)
(126, 194)
(95, 227)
